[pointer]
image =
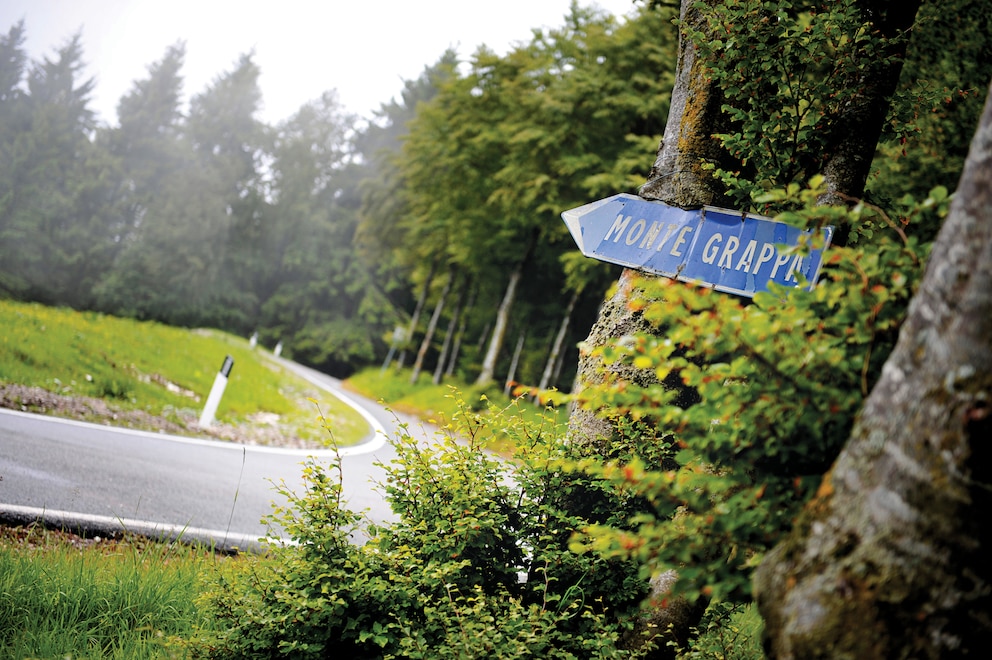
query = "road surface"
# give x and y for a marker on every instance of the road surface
(97, 477)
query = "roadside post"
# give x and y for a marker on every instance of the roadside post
(730, 251)
(216, 392)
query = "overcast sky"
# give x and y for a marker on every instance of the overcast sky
(363, 49)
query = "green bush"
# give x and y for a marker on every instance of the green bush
(476, 565)
(778, 384)
(727, 632)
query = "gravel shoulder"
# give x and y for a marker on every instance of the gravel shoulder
(265, 432)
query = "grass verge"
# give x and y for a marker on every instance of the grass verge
(438, 404)
(153, 376)
(67, 597)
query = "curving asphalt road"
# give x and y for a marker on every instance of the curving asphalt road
(100, 479)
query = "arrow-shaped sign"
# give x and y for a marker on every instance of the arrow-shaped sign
(728, 250)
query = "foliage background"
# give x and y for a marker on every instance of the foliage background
(323, 232)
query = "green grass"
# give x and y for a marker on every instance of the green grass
(114, 599)
(138, 599)
(438, 404)
(164, 371)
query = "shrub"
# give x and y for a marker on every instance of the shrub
(778, 384)
(476, 565)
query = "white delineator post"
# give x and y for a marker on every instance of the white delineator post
(216, 392)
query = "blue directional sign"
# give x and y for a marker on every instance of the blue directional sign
(728, 250)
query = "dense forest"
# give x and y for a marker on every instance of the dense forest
(429, 234)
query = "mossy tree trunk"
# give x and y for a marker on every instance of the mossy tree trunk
(678, 177)
(681, 177)
(856, 131)
(890, 560)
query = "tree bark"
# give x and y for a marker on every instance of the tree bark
(449, 370)
(849, 161)
(425, 343)
(556, 347)
(680, 177)
(890, 559)
(499, 328)
(417, 311)
(449, 335)
(503, 317)
(677, 178)
(514, 361)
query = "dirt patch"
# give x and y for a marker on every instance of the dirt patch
(99, 411)
(37, 537)
(89, 409)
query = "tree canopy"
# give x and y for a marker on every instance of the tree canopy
(321, 232)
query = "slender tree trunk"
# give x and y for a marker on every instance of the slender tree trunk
(499, 328)
(512, 373)
(425, 343)
(449, 335)
(556, 347)
(456, 349)
(559, 363)
(483, 338)
(417, 311)
(890, 559)
(503, 317)
(399, 334)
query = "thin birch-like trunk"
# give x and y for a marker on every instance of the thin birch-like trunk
(425, 343)
(456, 349)
(417, 311)
(488, 371)
(449, 336)
(556, 347)
(512, 373)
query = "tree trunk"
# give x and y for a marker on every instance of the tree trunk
(890, 559)
(449, 335)
(417, 311)
(678, 177)
(499, 328)
(512, 373)
(550, 367)
(453, 358)
(849, 161)
(503, 317)
(559, 364)
(425, 343)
